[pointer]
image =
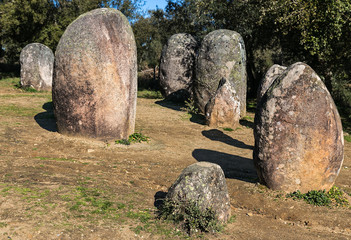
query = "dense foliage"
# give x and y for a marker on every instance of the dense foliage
(275, 31)
(44, 21)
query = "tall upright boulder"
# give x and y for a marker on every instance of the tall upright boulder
(37, 64)
(95, 77)
(272, 73)
(177, 66)
(298, 133)
(221, 55)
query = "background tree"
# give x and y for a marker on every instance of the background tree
(44, 21)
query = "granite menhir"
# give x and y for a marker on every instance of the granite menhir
(37, 64)
(299, 143)
(95, 77)
(177, 67)
(221, 55)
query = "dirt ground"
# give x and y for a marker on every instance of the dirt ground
(58, 187)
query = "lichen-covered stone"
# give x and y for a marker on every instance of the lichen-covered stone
(298, 133)
(223, 110)
(272, 73)
(202, 183)
(177, 66)
(37, 64)
(95, 77)
(221, 55)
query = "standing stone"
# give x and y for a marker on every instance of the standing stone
(223, 110)
(177, 66)
(95, 77)
(298, 133)
(221, 55)
(37, 64)
(202, 183)
(272, 73)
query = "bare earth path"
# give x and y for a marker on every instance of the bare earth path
(57, 187)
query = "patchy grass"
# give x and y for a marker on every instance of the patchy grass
(87, 203)
(150, 94)
(15, 110)
(347, 138)
(10, 82)
(56, 159)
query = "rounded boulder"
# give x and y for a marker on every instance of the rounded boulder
(95, 77)
(298, 133)
(177, 66)
(204, 184)
(221, 55)
(37, 64)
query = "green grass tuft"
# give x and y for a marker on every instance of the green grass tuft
(134, 138)
(150, 94)
(347, 138)
(334, 197)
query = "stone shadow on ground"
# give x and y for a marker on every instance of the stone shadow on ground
(159, 197)
(233, 166)
(246, 123)
(217, 135)
(171, 105)
(46, 119)
(179, 106)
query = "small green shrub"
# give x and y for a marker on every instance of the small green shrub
(321, 198)
(134, 138)
(347, 138)
(190, 216)
(228, 129)
(190, 106)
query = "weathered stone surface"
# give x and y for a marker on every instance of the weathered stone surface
(272, 73)
(37, 64)
(95, 77)
(223, 110)
(298, 133)
(203, 183)
(221, 55)
(177, 66)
